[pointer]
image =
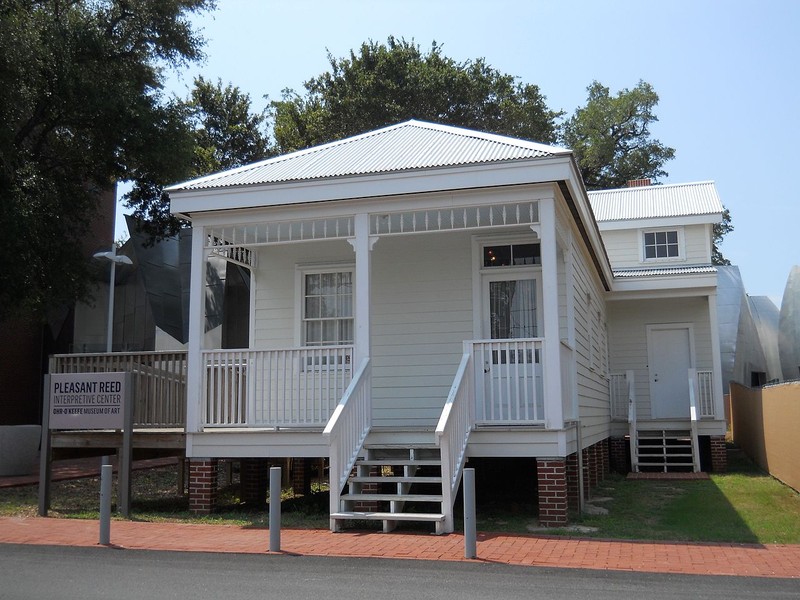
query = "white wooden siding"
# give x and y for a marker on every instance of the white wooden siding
(421, 314)
(276, 323)
(628, 322)
(590, 337)
(625, 250)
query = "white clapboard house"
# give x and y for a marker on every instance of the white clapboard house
(422, 294)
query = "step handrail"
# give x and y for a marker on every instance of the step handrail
(347, 429)
(452, 434)
(632, 427)
(693, 419)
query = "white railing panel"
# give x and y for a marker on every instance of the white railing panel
(618, 390)
(347, 429)
(452, 433)
(705, 392)
(566, 354)
(297, 387)
(508, 381)
(159, 380)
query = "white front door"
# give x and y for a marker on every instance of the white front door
(512, 377)
(670, 353)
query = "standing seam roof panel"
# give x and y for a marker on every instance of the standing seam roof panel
(656, 201)
(403, 147)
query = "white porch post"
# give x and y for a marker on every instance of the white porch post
(197, 299)
(716, 361)
(553, 407)
(363, 248)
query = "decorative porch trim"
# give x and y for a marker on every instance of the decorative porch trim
(279, 232)
(453, 219)
(236, 254)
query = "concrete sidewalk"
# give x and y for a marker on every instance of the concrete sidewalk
(527, 550)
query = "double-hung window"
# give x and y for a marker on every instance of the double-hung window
(664, 244)
(327, 317)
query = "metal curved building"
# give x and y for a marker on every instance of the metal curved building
(789, 335)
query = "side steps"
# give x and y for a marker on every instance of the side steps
(665, 451)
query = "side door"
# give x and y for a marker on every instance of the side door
(670, 356)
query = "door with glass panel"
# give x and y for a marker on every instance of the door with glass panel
(511, 361)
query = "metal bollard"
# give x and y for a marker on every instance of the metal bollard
(470, 527)
(106, 473)
(275, 509)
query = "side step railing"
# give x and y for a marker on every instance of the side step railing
(346, 431)
(452, 434)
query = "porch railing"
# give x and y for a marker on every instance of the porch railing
(159, 382)
(297, 387)
(452, 433)
(508, 381)
(618, 391)
(347, 429)
(705, 394)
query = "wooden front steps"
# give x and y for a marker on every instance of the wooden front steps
(394, 483)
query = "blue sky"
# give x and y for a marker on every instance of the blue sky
(726, 73)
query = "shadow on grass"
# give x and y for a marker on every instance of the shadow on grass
(743, 505)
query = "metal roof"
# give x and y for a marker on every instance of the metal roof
(661, 271)
(402, 147)
(656, 201)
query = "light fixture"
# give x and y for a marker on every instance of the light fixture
(115, 259)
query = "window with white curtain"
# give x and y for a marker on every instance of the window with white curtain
(327, 317)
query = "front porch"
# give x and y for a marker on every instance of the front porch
(311, 402)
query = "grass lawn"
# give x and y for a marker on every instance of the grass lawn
(743, 505)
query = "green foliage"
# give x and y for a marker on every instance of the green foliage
(226, 133)
(719, 231)
(610, 137)
(383, 84)
(223, 132)
(81, 108)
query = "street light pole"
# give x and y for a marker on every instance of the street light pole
(114, 258)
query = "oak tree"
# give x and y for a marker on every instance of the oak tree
(383, 84)
(80, 108)
(611, 137)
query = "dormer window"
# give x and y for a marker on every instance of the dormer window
(663, 244)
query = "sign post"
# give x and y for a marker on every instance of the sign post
(45, 454)
(126, 454)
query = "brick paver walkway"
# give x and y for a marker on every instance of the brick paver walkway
(543, 551)
(528, 550)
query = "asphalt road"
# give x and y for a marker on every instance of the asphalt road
(63, 573)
